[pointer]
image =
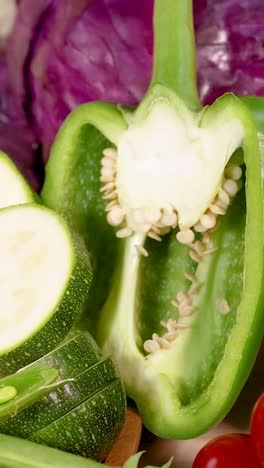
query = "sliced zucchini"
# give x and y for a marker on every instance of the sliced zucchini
(91, 428)
(39, 379)
(73, 356)
(14, 188)
(60, 401)
(45, 274)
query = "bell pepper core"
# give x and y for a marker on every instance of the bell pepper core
(182, 188)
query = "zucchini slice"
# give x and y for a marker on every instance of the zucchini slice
(73, 356)
(91, 428)
(60, 401)
(45, 375)
(45, 274)
(14, 188)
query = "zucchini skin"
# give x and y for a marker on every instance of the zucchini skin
(91, 428)
(71, 359)
(59, 324)
(73, 356)
(82, 410)
(60, 401)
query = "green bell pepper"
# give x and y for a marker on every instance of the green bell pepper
(173, 217)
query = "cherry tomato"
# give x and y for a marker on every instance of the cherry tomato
(257, 429)
(227, 451)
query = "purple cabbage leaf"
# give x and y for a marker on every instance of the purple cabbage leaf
(16, 137)
(63, 53)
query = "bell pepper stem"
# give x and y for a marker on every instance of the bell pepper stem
(174, 62)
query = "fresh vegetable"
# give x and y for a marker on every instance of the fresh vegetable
(79, 66)
(63, 402)
(128, 440)
(16, 136)
(74, 356)
(182, 317)
(59, 400)
(90, 428)
(37, 249)
(257, 429)
(47, 399)
(28, 386)
(236, 450)
(229, 47)
(228, 451)
(25, 454)
(103, 51)
(14, 188)
(17, 143)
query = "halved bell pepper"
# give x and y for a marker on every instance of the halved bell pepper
(169, 198)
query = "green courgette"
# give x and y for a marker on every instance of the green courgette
(73, 356)
(71, 398)
(91, 428)
(45, 275)
(14, 188)
(60, 400)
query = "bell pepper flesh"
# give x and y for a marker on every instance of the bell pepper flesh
(184, 388)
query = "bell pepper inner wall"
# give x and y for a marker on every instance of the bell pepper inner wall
(201, 346)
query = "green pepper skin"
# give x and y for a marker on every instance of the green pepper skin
(255, 105)
(180, 392)
(89, 130)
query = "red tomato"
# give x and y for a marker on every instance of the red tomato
(257, 429)
(227, 451)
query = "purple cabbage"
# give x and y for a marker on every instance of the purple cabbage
(230, 47)
(16, 137)
(63, 53)
(73, 52)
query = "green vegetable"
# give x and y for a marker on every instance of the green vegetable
(91, 428)
(76, 354)
(183, 313)
(14, 188)
(45, 276)
(18, 453)
(30, 385)
(59, 400)
(71, 398)
(7, 393)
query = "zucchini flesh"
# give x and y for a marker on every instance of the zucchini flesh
(91, 428)
(14, 188)
(61, 400)
(37, 249)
